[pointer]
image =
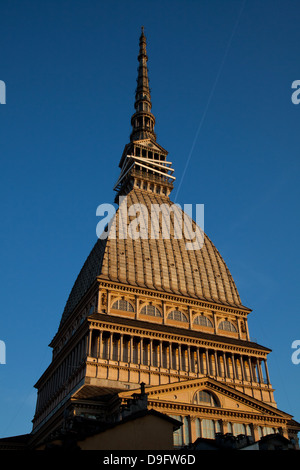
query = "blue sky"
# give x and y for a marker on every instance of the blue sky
(220, 76)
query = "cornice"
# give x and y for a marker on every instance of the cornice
(193, 338)
(190, 301)
(214, 385)
(63, 353)
(63, 327)
(213, 412)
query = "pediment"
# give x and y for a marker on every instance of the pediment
(150, 144)
(184, 393)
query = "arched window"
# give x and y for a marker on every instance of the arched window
(122, 304)
(151, 310)
(203, 321)
(203, 397)
(177, 315)
(227, 326)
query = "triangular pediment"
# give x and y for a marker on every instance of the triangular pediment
(184, 393)
(150, 144)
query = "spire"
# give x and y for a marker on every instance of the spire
(142, 120)
(144, 162)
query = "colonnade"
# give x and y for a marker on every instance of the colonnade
(176, 356)
(171, 355)
(62, 372)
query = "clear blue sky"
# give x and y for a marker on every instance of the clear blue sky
(221, 75)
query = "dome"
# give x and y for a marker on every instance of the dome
(163, 265)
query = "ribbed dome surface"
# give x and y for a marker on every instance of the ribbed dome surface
(160, 264)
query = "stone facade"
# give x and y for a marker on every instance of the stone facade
(150, 311)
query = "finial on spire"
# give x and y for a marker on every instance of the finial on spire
(143, 120)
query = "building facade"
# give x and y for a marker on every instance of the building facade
(147, 310)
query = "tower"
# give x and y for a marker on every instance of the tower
(147, 310)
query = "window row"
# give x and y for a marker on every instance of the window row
(146, 153)
(177, 315)
(208, 428)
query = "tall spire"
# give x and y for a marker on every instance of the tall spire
(142, 120)
(144, 162)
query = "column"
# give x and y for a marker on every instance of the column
(207, 362)
(267, 371)
(216, 364)
(148, 353)
(254, 371)
(242, 367)
(99, 352)
(179, 357)
(108, 302)
(233, 366)
(141, 351)
(131, 349)
(255, 432)
(198, 362)
(225, 365)
(111, 343)
(89, 343)
(193, 428)
(225, 426)
(189, 359)
(151, 352)
(164, 311)
(190, 317)
(214, 323)
(260, 374)
(247, 330)
(170, 356)
(239, 328)
(121, 358)
(136, 307)
(250, 369)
